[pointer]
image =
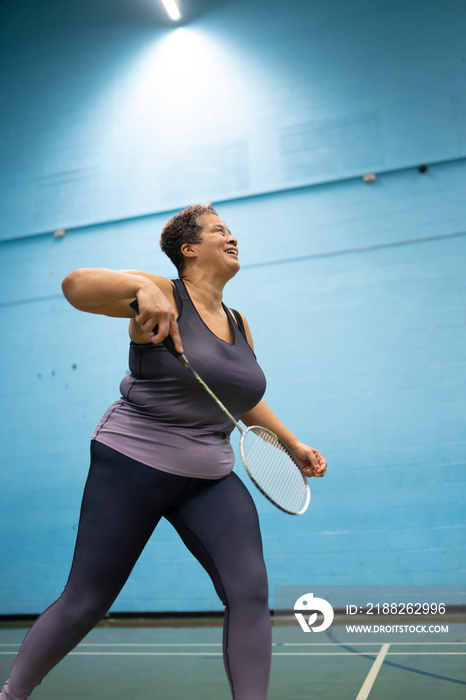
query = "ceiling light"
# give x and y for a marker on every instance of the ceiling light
(172, 9)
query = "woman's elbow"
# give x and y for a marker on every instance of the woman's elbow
(70, 286)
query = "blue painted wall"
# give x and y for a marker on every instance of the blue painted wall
(111, 121)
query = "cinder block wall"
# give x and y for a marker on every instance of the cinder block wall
(355, 292)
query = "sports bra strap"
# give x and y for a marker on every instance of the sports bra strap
(239, 321)
(177, 295)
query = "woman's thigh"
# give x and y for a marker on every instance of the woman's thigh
(219, 524)
(122, 503)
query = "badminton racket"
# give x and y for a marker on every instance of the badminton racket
(268, 462)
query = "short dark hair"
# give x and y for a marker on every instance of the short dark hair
(182, 228)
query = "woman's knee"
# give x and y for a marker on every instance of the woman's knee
(249, 590)
(83, 611)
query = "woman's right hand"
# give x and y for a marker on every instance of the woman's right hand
(157, 315)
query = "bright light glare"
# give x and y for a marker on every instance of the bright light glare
(171, 8)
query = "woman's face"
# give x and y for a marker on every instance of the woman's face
(217, 247)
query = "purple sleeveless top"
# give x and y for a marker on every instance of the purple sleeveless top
(164, 418)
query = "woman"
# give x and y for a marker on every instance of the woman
(163, 450)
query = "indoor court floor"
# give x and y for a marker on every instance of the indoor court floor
(183, 661)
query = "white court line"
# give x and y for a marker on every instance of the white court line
(322, 653)
(145, 653)
(368, 653)
(199, 653)
(176, 646)
(363, 644)
(275, 644)
(274, 653)
(111, 644)
(427, 653)
(372, 675)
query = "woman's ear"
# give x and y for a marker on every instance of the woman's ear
(188, 250)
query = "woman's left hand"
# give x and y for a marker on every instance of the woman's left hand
(311, 461)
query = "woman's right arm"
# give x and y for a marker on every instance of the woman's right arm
(109, 292)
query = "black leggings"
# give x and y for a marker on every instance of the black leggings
(123, 502)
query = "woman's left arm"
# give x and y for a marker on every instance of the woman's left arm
(311, 460)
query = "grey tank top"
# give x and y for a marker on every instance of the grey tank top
(164, 418)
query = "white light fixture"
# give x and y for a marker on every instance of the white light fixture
(172, 9)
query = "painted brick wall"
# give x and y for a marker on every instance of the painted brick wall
(355, 292)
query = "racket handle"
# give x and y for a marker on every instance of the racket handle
(168, 342)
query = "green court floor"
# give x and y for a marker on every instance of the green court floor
(185, 663)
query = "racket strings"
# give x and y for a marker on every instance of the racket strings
(274, 470)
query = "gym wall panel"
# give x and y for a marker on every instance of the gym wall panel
(111, 115)
(355, 292)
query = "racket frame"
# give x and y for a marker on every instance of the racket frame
(291, 457)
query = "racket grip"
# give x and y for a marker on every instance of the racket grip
(168, 342)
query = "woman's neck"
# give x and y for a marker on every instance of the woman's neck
(207, 292)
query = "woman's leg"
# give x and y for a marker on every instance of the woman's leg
(122, 503)
(219, 524)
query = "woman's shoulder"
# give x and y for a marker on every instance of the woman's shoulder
(163, 283)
